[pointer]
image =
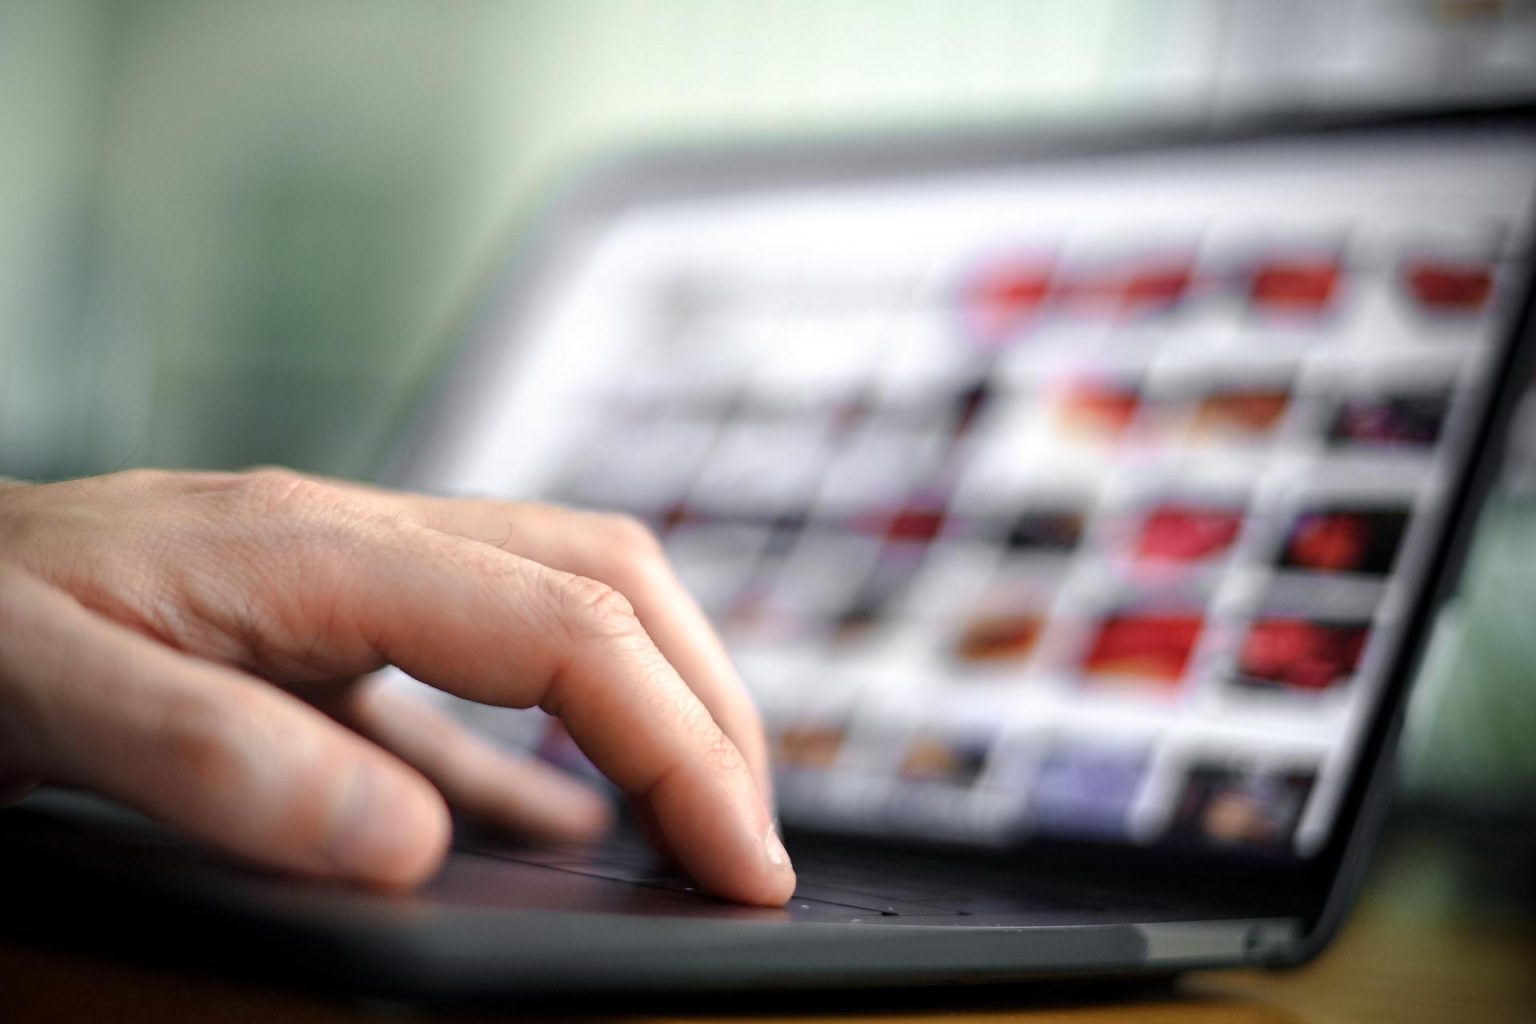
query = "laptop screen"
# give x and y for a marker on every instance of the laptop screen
(1086, 498)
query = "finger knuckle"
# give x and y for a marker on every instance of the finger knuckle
(594, 610)
(277, 492)
(140, 479)
(272, 490)
(197, 739)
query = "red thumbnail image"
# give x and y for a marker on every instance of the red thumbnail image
(918, 521)
(1003, 297)
(1295, 285)
(999, 638)
(1300, 654)
(1448, 286)
(1239, 413)
(1153, 647)
(1188, 533)
(1097, 411)
(1356, 540)
(1147, 286)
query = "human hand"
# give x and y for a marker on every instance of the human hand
(144, 615)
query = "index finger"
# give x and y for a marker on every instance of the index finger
(497, 628)
(623, 554)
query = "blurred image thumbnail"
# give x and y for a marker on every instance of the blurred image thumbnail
(1345, 539)
(1300, 654)
(1224, 805)
(1301, 285)
(1239, 414)
(1004, 296)
(1098, 411)
(949, 760)
(1150, 648)
(1448, 286)
(918, 521)
(1390, 421)
(994, 638)
(1041, 529)
(809, 744)
(1087, 790)
(1129, 288)
(1177, 532)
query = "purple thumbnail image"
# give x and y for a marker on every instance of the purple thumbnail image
(1087, 791)
(1397, 421)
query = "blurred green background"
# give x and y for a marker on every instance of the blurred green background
(234, 233)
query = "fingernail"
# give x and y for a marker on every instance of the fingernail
(372, 832)
(777, 855)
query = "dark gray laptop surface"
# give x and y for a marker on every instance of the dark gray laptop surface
(1075, 507)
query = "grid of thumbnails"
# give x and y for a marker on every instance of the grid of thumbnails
(1078, 539)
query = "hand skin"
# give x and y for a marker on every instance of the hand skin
(190, 645)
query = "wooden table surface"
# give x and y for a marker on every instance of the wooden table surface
(1445, 932)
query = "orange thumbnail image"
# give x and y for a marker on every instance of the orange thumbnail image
(999, 638)
(809, 744)
(1247, 413)
(1224, 805)
(953, 760)
(1097, 412)
(1188, 533)
(1154, 648)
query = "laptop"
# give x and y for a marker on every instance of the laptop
(1076, 506)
